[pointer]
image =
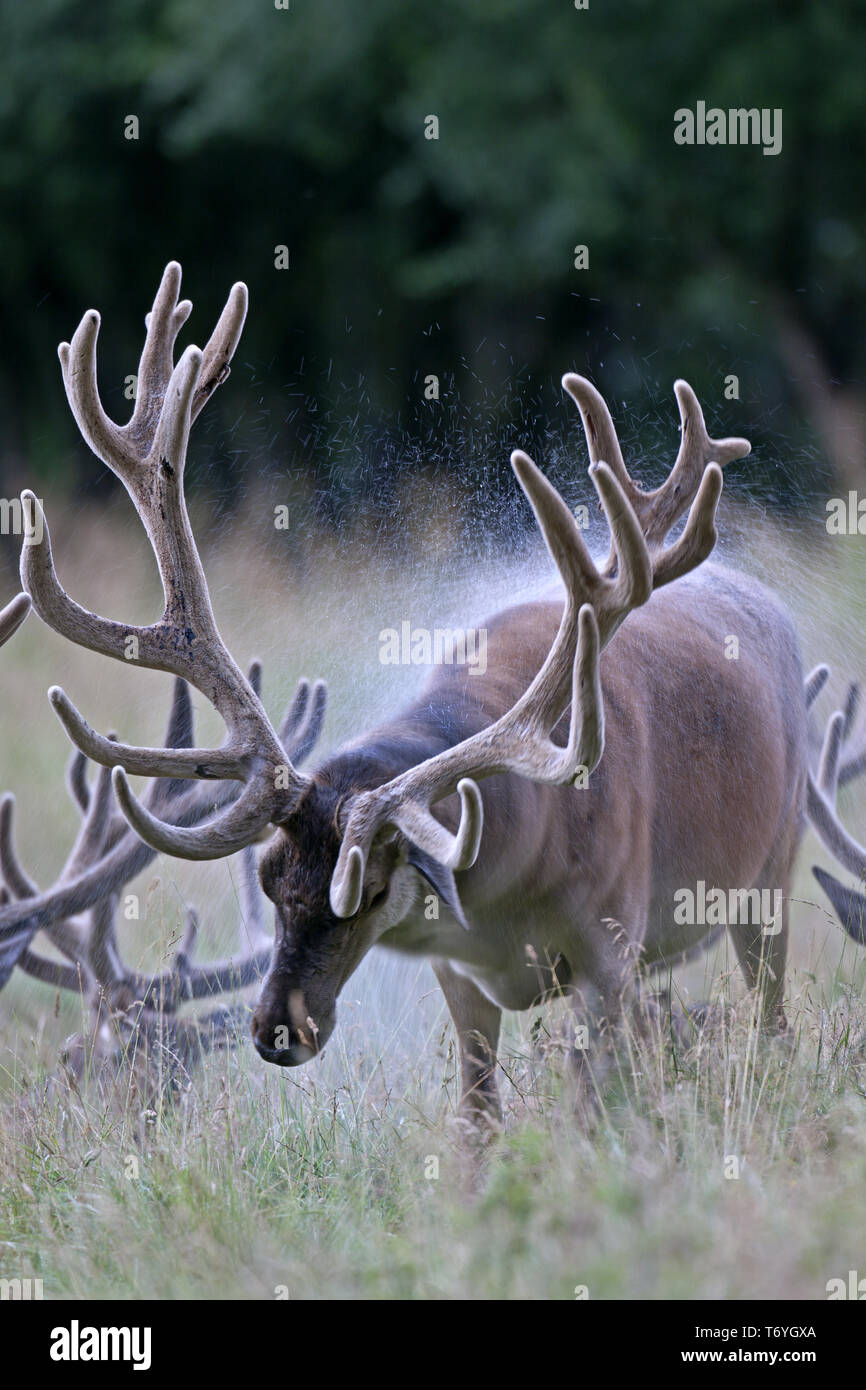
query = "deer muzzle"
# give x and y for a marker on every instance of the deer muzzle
(290, 1035)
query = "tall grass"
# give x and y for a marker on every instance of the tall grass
(732, 1168)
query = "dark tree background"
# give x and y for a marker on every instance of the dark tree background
(305, 127)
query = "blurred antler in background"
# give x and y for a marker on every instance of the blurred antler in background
(134, 1016)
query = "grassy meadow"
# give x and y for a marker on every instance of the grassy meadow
(348, 1178)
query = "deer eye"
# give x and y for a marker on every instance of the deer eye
(378, 898)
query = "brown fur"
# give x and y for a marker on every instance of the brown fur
(702, 778)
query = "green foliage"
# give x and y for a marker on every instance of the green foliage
(305, 127)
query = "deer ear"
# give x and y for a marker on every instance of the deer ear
(441, 880)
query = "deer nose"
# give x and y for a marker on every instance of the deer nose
(293, 1054)
(270, 1054)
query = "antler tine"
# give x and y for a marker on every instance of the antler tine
(852, 706)
(18, 885)
(148, 455)
(163, 322)
(96, 963)
(76, 943)
(171, 988)
(220, 348)
(179, 730)
(699, 534)
(848, 903)
(296, 712)
(76, 779)
(190, 935)
(697, 449)
(828, 764)
(253, 925)
(852, 763)
(102, 952)
(78, 366)
(55, 908)
(227, 833)
(15, 876)
(686, 485)
(852, 768)
(207, 763)
(179, 733)
(91, 841)
(123, 447)
(56, 973)
(302, 724)
(814, 684)
(162, 792)
(254, 676)
(821, 802)
(611, 599)
(602, 441)
(67, 617)
(52, 909)
(64, 900)
(13, 615)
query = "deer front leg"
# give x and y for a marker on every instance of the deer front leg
(762, 946)
(609, 971)
(477, 1022)
(762, 952)
(598, 1013)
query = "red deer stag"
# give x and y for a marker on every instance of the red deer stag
(570, 887)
